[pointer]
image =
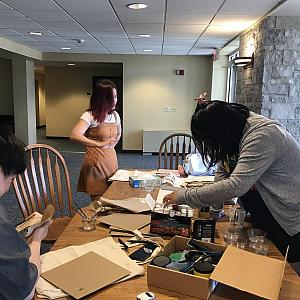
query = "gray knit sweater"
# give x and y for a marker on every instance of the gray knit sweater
(269, 158)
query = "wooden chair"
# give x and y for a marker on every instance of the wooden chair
(46, 180)
(173, 150)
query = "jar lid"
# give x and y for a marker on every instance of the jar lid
(161, 261)
(203, 267)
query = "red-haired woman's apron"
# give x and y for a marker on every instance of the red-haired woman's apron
(99, 163)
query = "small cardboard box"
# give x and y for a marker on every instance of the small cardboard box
(240, 269)
(138, 182)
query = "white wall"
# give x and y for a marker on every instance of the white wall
(6, 88)
(219, 78)
(150, 84)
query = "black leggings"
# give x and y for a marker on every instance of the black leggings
(263, 219)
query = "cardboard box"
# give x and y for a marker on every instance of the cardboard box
(137, 182)
(240, 269)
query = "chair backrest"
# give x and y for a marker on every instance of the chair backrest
(173, 150)
(45, 180)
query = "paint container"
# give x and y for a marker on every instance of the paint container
(203, 269)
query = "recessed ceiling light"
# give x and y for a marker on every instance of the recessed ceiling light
(137, 5)
(147, 50)
(65, 48)
(71, 64)
(35, 33)
(144, 35)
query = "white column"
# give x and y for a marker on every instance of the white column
(24, 98)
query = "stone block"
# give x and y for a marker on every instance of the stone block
(294, 91)
(291, 57)
(267, 72)
(285, 22)
(292, 33)
(282, 111)
(273, 58)
(297, 75)
(293, 127)
(282, 81)
(297, 112)
(279, 99)
(278, 89)
(274, 37)
(269, 22)
(282, 71)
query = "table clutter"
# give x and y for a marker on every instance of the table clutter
(189, 266)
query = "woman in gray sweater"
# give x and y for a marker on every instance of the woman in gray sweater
(258, 161)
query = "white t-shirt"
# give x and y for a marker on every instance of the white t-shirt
(111, 118)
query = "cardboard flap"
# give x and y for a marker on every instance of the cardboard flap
(48, 213)
(85, 274)
(126, 221)
(249, 272)
(134, 204)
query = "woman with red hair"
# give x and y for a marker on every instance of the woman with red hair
(99, 129)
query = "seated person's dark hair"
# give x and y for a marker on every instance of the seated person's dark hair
(217, 127)
(12, 153)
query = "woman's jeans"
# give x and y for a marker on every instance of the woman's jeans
(263, 219)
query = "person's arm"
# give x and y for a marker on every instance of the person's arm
(220, 173)
(77, 134)
(34, 243)
(258, 152)
(119, 132)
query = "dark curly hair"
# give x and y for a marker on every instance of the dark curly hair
(217, 127)
(12, 153)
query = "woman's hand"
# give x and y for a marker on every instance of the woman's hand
(108, 142)
(170, 199)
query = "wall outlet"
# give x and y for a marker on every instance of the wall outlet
(169, 109)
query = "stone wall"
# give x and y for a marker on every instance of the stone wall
(272, 86)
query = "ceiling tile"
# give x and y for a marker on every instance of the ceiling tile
(202, 6)
(187, 19)
(253, 7)
(141, 17)
(33, 4)
(80, 5)
(143, 28)
(186, 31)
(102, 26)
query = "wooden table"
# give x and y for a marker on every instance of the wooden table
(74, 235)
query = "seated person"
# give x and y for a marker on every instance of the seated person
(19, 259)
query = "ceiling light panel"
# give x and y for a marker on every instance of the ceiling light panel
(153, 6)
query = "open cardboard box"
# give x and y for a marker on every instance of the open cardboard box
(240, 269)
